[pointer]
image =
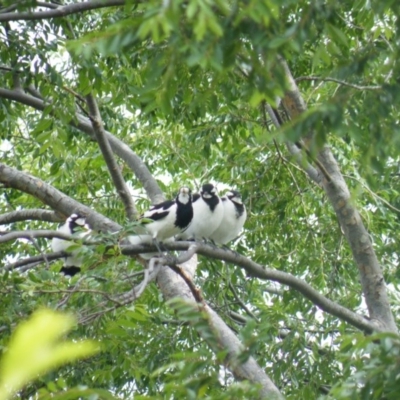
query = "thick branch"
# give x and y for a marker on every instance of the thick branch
(58, 201)
(108, 156)
(250, 266)
(171, 287)
(120, 148)
(261, 272)
(36, 214)
(61, 11)
(249, 369)
(372, 281)
(373, 284)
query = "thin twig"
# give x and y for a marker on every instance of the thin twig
(175, 264)
(121, 300)
(69, 295)
(150, 273)
(328, 79)
(37, 247)
(35, 260)
(77, 290)
(393, 208)
(241, 303)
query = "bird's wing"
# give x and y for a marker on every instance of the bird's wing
(157, 212)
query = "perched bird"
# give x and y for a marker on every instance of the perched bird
(208, 212)
(75, 223)
(165, 220)
(233, 220)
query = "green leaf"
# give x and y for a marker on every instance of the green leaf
(35, 348)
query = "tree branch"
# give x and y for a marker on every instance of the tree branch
(241, 303)
(123, 151)
(250, 266)
(343, 83)
(373, 194)
(174, 264)
(36, 214)
(52, 197)
(169, 282)
(36, 260)
(108, 156)
(44, 233)
(372, 281)
(295, 151)
(61, 11)
(171, 286)
(261, 272)
(150, 273)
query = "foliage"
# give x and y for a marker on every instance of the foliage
(33, 350)
(375, 365)
(183, 84)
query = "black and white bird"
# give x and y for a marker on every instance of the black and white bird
(233, 220)
(75, 224)
(208, 212)
(165, 220)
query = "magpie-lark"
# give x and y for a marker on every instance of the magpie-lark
(165, 220)
(207, 214)
(75, 223)
(233, 220)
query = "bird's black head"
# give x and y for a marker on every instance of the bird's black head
(77, 222)
(208, 191)
(234, 196)
(209, 194)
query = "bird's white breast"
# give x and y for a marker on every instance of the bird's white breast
(204, 221)
(62, 245)
(230, 225)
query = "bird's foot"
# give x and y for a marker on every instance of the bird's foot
(210, 242)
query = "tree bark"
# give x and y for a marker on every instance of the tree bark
(172, 286)
(372, 281)
(60, 11)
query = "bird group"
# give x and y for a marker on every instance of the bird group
(203, 215)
